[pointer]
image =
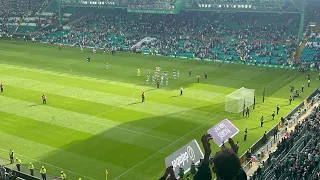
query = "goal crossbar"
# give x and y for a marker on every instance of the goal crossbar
(239, 99)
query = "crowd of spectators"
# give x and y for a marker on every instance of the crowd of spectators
(153, 6)
(228, 37)
(314, 43)
(200, 34)
(196, 24)
(267, 38)
(297, 155)
(7, 174)
(18, 8)
(12, 11)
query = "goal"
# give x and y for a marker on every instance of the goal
(239, 99)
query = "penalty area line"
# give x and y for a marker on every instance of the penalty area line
(179, 139)
(124, 129)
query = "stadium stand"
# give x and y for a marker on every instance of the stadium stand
(14, 15)
(312, 50)
(27, 17)
(226, 36)
(297, 155)
(261, 39)
(10, 174)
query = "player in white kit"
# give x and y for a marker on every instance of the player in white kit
(153, 79)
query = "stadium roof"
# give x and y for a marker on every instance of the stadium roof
(273, 6)
(278, 6)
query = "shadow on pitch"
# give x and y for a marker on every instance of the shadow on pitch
(254, 128)
(120, 148)
(265, 122)
(134, 103)
(33, 105)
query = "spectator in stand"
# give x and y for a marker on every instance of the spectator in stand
(169, 174)
(2, 172)
(12, 11)
(299, 163)
(184, 34)
(226, 163)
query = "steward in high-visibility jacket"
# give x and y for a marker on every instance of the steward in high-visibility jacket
(43, 173)
(31, 169)
(63, 176)
(18, 163)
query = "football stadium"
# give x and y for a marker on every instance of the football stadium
(159, 89)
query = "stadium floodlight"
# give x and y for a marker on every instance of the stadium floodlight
(239, 99)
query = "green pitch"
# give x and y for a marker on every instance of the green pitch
(93, 120)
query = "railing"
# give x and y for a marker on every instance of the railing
(314, 171)
(20, 175)
(295, 148)
(260, 147)
(21, 20)
(269, 170)
(284, 174)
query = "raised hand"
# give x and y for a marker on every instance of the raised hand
(171, 172)
(206, 145)
(233, 146)
(167, 172)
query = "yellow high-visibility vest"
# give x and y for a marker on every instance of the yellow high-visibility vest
(63, 176)
(43, 171)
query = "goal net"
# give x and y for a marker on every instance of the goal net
(239, 99)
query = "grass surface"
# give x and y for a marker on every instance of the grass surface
(94, 120)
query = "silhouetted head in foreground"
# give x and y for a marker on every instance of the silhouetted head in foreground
(227, 166)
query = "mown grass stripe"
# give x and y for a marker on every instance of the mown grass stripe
(76, 121)
(107, 86)
(31, 151)
(136, 121)
(96, 96)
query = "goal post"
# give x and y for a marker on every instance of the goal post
(239, 99)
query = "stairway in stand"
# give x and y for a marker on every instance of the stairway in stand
(21, 20)
(300, 49)
(44, 7)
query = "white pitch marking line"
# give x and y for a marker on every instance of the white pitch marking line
(124, 129)
(169, 144)
(165, 147)
(179, 139)
(53, 121)
(202, 102)
(158, 138)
